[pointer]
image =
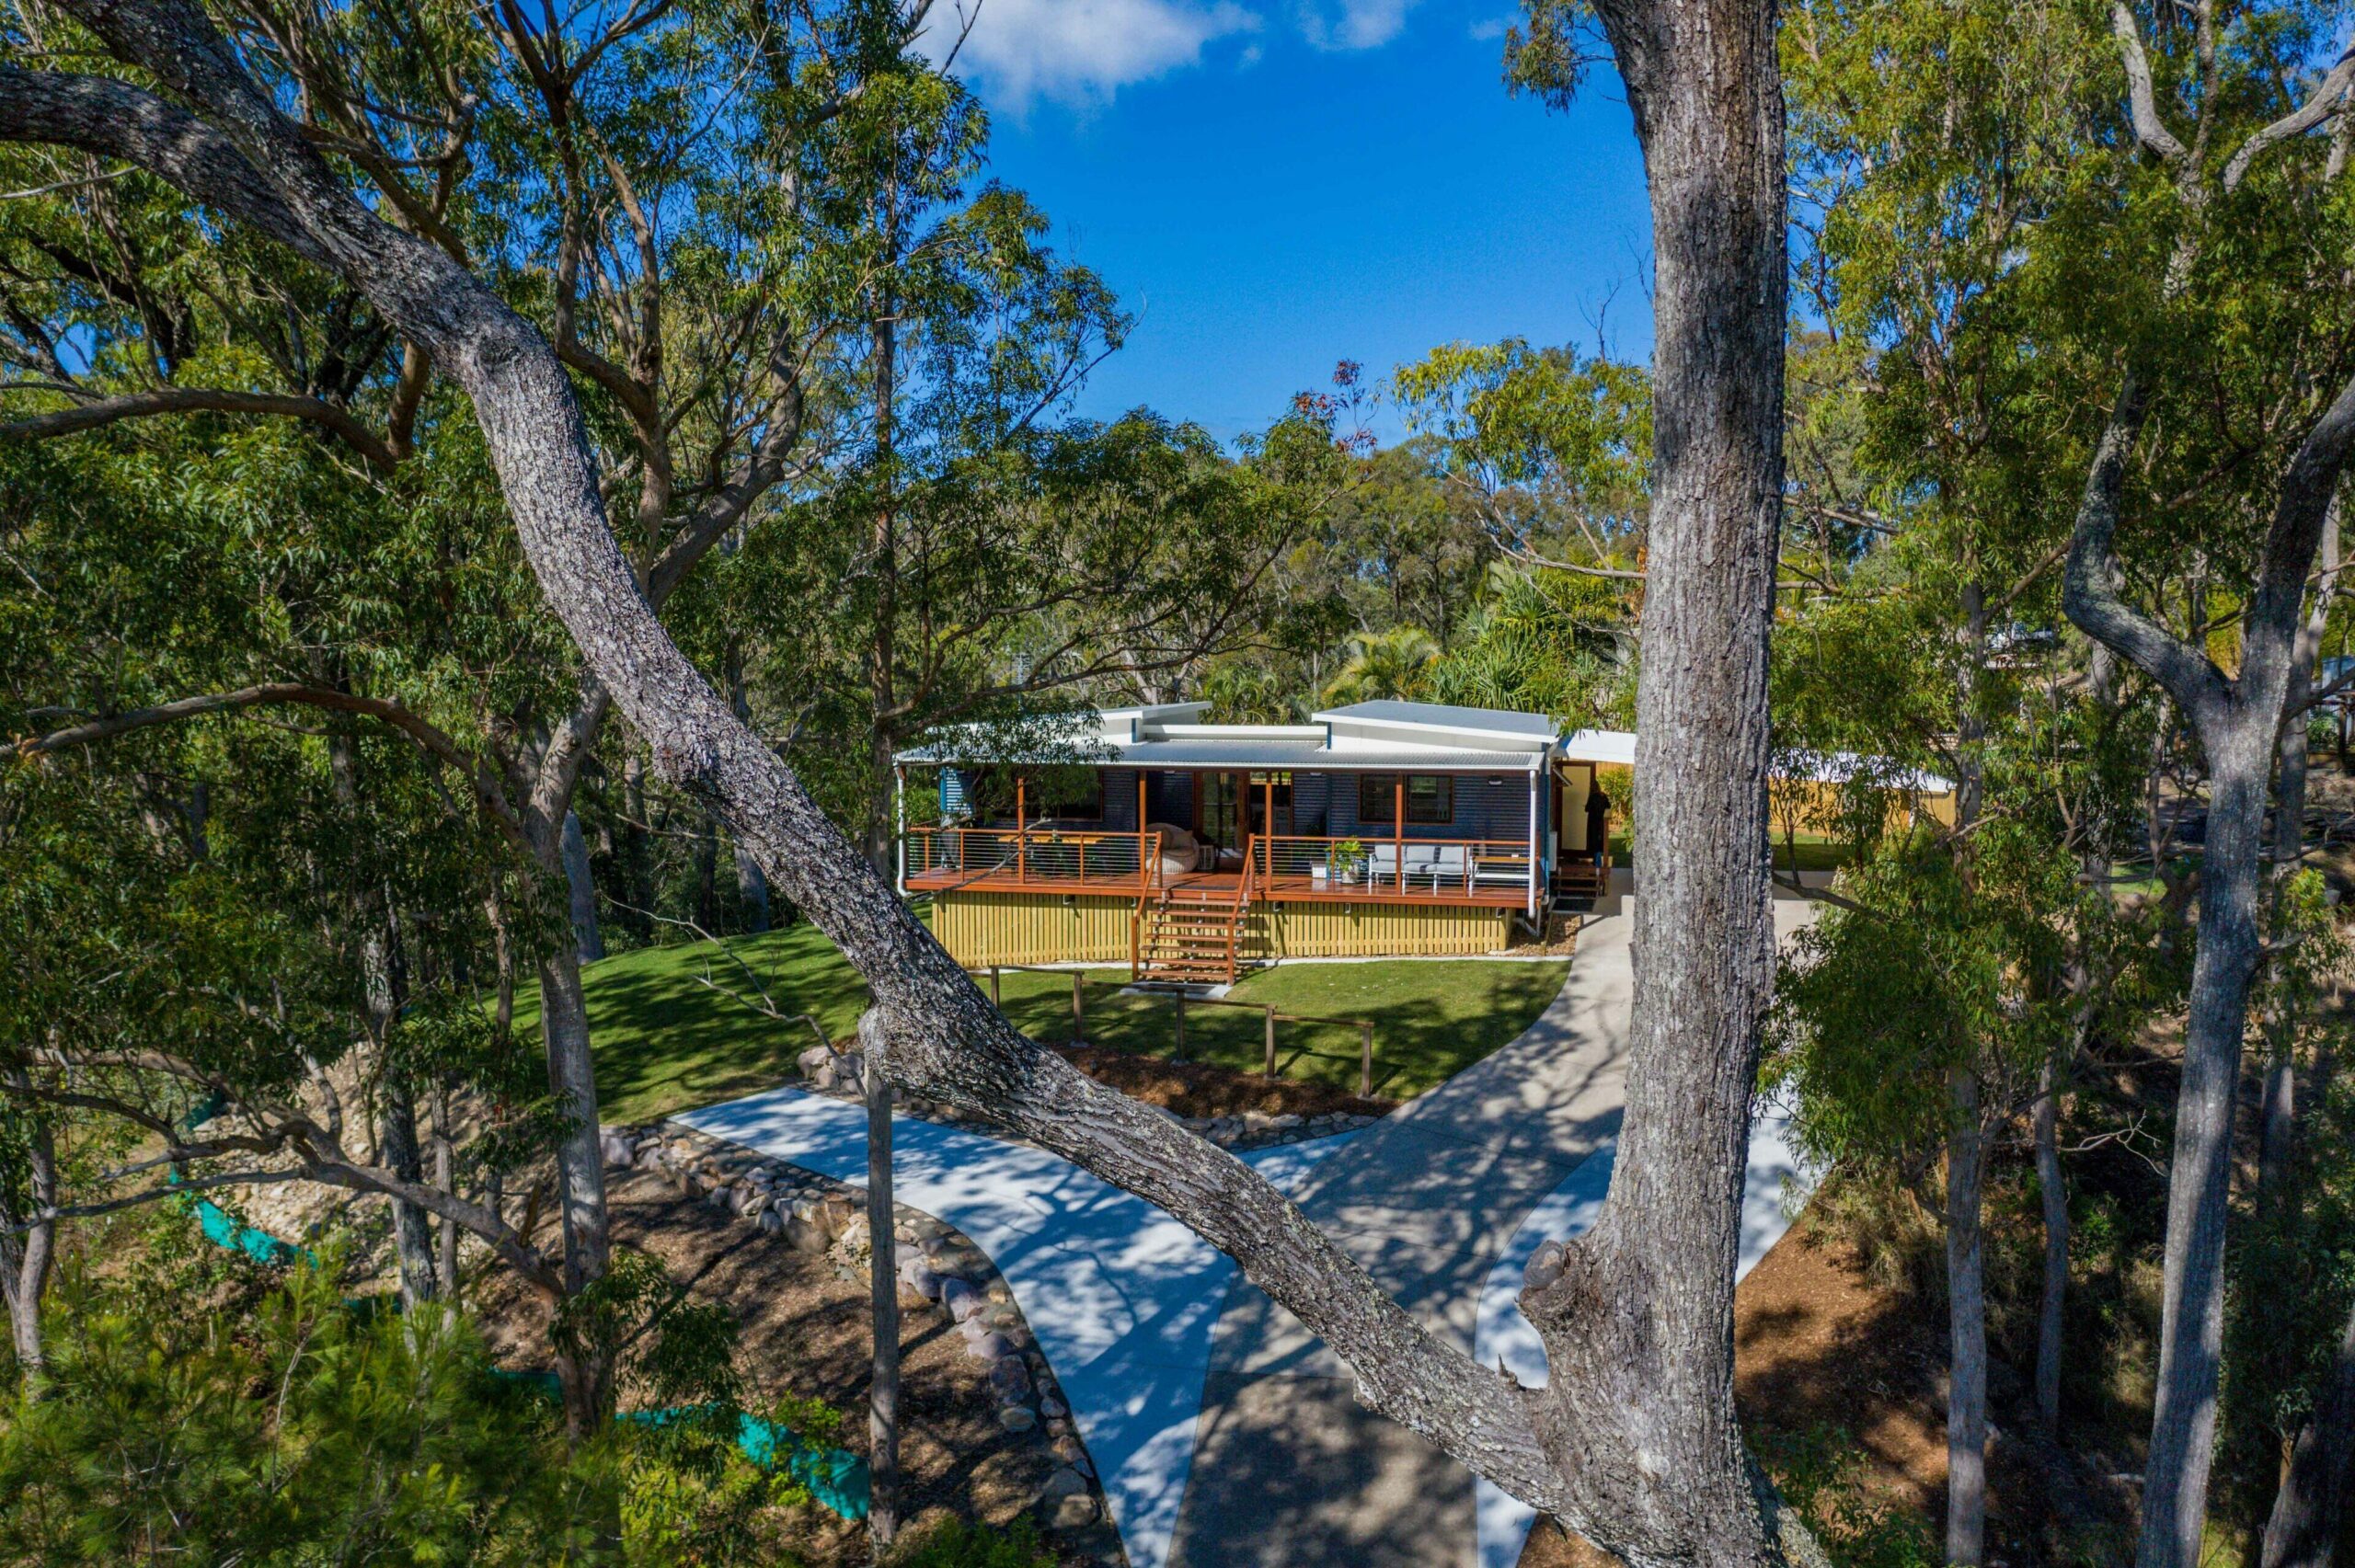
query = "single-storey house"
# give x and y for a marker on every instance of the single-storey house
(1186, 849)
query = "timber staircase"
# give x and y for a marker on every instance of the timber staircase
(1191, 937)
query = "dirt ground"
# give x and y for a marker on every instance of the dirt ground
(1192, 1089)
(1817, 1348)
(804, 1329)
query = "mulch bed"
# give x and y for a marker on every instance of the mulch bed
(1819, 1349)
(1194, 1089)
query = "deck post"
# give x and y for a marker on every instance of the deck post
(1078, 1009)
(1365, 1060)
(1533, 848)
(1267, 822)
(994, 996)
(1398, 826)
(1021, 833)
(1271, 1069)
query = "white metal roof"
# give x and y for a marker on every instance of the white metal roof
(1437, 719)
(1611, 746)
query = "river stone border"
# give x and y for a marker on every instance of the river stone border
(938, 1265)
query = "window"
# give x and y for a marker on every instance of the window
(1430, 799)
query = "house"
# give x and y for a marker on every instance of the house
(1185, 850)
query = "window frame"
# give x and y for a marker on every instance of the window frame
(1440, 788)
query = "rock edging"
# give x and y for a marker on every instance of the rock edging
(938, 1266)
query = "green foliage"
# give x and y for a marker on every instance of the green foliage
(295, 1432)
(2291, 1285)
(1821, 1473)
(954, 1543)
(1545, 641)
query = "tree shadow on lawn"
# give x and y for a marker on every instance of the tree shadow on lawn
(665, 1040)
(1431, 1019)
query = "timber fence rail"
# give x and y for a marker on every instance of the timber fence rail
(1273, 1063)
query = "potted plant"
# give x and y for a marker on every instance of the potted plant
(1348, 856)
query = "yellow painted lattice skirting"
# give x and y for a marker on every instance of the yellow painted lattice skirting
(1054, 928)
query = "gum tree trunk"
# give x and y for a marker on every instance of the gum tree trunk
(580, 888)
(883, 1289)
(2310, 1511)
(2051, 1316)
(1638, 1416)
(580, 1176)
(26, 1256)
(1966, 1326)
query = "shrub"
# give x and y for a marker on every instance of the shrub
(957, 1544)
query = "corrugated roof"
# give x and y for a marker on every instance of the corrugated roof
(1306, 756)
(1440, 716)
(1309, 756)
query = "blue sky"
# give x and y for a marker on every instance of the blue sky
(1276, 185)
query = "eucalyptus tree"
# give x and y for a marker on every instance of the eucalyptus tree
(1552, 451)
(2229, 264)
(638, 177)
(1634, 1441)
(1947, 992)
(2121, 211)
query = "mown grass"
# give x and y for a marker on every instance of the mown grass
(669, 1036)
(1432, 1018)
(666, 1041)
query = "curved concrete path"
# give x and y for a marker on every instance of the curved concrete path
(1289, 1469)
(1223, 1432)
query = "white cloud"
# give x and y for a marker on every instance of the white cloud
(1353, 23)
(1083, 50)
(1492, 29)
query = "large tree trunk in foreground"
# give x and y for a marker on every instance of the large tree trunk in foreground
(2310, 1511)
(1639, 1415)
(1633, 1443)
(1966, 1326)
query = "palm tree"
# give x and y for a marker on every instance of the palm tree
(1395, 663)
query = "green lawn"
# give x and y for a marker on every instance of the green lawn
(666, 1042)
(1431, 1019)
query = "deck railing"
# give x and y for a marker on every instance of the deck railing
(1122, 862)
(1434, 867)
(1284, 866)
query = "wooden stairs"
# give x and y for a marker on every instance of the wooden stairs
(1188, 938)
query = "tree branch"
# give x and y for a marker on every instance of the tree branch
(489, 794)
(181, 400)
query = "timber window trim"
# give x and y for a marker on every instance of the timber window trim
(1430, 800)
